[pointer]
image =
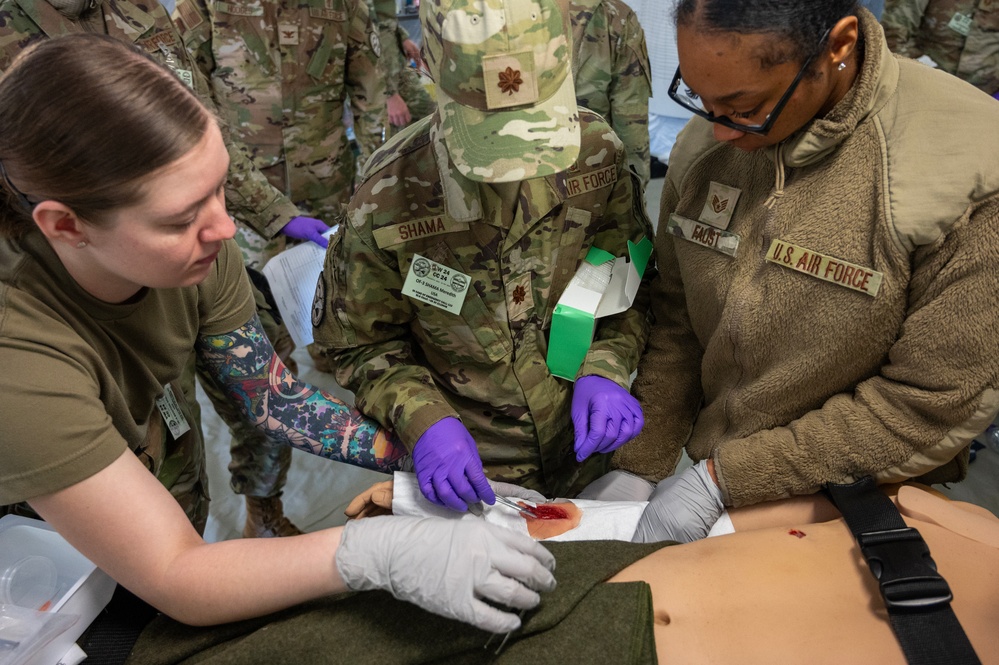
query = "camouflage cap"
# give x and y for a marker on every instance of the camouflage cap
(507, 104)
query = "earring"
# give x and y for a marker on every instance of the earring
(841, 66)
(81, 244)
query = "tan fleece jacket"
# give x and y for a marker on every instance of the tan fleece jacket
(789, 381)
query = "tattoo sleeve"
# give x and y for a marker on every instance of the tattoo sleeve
(245, 367)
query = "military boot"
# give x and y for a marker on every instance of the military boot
(265, 518)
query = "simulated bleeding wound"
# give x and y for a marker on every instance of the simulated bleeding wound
(549, 511)
(553, 519)
(796, 533)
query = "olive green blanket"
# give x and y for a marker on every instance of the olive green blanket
(582, 621)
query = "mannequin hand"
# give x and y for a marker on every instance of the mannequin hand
(448, 466)
(605, 416)
(398, 112)
(448, 567)
(374, 501)
(307, 228)
(682, 508)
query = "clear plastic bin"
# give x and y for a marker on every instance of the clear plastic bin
(80, 587)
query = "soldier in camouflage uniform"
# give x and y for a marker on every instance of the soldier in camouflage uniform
(259, 468)
(281, 72)
(481, 192)
(610, 67)
(406, 99)
(961, 36)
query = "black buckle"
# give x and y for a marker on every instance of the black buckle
(907, 574)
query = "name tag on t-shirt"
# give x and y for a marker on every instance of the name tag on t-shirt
(172, 415)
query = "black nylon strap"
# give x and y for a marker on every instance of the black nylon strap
(917, 597)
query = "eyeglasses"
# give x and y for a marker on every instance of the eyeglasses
(685, 97)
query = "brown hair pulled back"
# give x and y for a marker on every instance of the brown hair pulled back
(83, 118)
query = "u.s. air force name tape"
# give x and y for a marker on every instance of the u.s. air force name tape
(824, 267)
(603, 285)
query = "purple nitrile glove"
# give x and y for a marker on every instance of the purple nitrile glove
(605, 416)
(996, 96)
(448, 466)
(307, 228)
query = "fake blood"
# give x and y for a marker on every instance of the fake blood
(795, 532)
(547, 511)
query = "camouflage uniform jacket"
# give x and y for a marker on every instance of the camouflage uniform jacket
(391, 36)
(249, 197)
(281, 71)
(961, 36)
(411, 364)
(610, 67)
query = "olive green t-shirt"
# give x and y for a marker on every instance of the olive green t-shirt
(80, 378)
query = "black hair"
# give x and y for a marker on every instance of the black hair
(797, 27)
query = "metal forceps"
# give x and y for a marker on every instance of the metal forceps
(526, 511)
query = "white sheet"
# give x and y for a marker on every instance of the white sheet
(601, 520)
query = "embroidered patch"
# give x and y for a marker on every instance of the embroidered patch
(520, 297)
(328, 14)
(415, 229)
(824, 267)
(288, 34)
(703, 234)
(189, 16)
(239, 10)
(510, 79)
(720, 205)
(591, 180)
(163, 38)
(319, 303)
(376, 44)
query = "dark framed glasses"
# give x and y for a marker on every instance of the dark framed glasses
(688, 99)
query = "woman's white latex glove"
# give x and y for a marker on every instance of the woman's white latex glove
(448, 567)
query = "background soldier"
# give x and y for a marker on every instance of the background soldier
(281, 72)
(407, 100)
(611, 70)
(961, 36)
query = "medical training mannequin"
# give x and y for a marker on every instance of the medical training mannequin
(798, 591)
(790, 584)
(116, 263)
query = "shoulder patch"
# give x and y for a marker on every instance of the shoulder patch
(319, 303)
(188, 16)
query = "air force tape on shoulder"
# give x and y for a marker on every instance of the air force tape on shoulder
(603, 285)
